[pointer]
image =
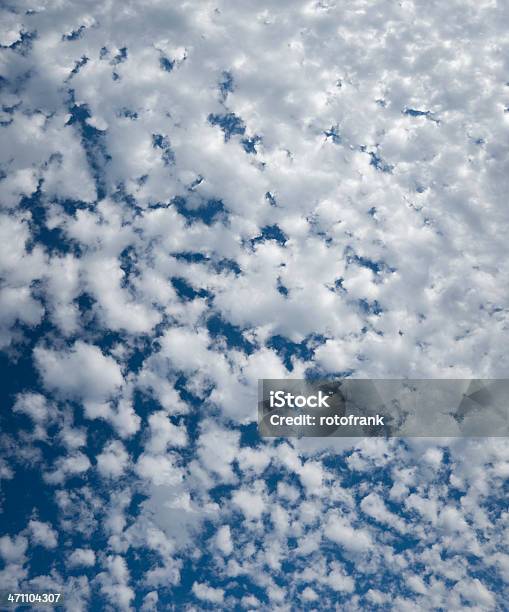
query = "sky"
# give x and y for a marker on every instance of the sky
(198, 195)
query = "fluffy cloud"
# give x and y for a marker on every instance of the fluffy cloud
(217, 448)
(207, 593)
(114, 582)
(83, 372)
(43, 534)
(196, 197)
(13, 549)
(342, 533)
(112, 462)
(251, 503)
(224, 540)
(82, 557)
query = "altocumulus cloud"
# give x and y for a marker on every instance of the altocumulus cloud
(196, 196)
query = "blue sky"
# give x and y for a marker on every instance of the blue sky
(194, 196)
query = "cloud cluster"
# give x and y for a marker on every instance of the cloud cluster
(195, 197)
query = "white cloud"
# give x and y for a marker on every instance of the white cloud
(251, 502)
(338, 580)
(255, 460)
(150, 601)
(308, 594)
(118, 310)
(342, 533)
(13, 549)
(72, 465)
(374, 506)
(208, 593)
(451, 519)
(123, 418)
(114, 582)
(164, 434)
(416, 583)
(474, 591)
(112, 462)
(33, 404)
(311, 475)
(159, 469)
(82, 557)
(217, 449)
(223, 540)
(83, 372)
(43, 534)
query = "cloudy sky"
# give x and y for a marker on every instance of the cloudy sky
(196, 195)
